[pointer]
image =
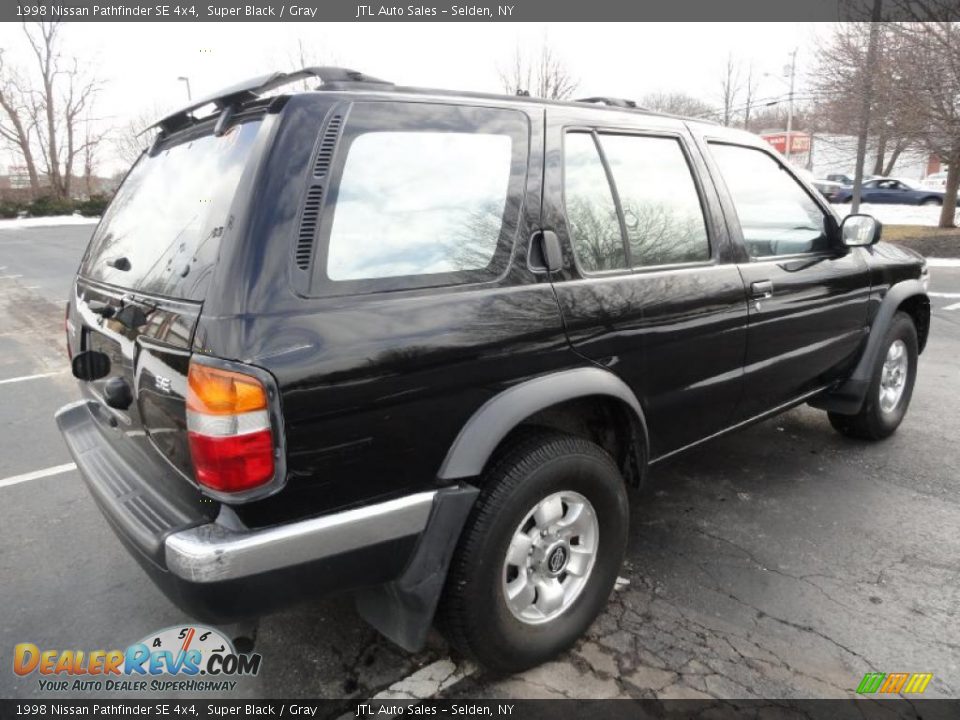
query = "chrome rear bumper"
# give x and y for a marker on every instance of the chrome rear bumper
(214, 553)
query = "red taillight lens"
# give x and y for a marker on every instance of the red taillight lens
(232, 464)
(228, 427)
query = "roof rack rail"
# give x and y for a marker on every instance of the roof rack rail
(330, 78)
(611, 101)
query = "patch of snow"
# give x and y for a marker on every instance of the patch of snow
(943, 262)
(19, 223)
(928, 215)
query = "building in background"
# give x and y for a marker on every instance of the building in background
(829, 154)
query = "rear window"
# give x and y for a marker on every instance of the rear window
(167, 218)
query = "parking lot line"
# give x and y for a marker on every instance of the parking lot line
(427, 681)
(944, 295)
(943, 262)
(29, 377)
(955, 306)
(37, 474)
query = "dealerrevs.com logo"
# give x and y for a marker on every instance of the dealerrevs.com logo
(183, 658)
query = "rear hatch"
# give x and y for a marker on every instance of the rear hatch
(145, 274)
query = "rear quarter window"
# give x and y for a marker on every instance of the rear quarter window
(421, 195)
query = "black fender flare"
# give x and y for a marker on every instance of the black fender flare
(403, 609)
(498, 416)
(848, 397)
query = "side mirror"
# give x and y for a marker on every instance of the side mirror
(860, 230)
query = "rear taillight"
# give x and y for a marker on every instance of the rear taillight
(228, 426)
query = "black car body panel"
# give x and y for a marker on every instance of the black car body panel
(395, 392)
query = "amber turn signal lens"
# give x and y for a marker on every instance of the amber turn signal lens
(213, 391)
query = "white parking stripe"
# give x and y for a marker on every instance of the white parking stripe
(427, 681)
(29, 377)
(10, 277)
(955, 306)
(944, 295)
(37, 474)
(943, 262)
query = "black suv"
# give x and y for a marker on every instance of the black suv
(416, 344)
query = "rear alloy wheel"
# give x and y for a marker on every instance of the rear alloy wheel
(931, 201)
(539, 555)
(891, 386)
(550, 557)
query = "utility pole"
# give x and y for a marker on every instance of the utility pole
(864, 130)
(793, 75)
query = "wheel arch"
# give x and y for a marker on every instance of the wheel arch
(542, 399)
(907, 296)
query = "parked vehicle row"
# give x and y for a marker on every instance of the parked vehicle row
(891, 191)
(838, 188)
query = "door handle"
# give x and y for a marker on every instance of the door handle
(761, 290)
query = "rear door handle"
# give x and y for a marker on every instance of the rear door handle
(761, 290)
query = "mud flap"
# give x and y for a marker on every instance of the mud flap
(403, 609)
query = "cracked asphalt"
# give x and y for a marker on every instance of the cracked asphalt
(783, 561)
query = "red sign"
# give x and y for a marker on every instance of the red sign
(799, 142)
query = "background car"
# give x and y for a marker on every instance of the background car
(829, 189)
(891, 191)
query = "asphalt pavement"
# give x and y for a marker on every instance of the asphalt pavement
(782, 561)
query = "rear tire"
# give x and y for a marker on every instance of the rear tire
(891, 386)
(510, 602)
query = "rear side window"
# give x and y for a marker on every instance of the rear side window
(169, 214)
(591, 211)
(777, 216)
(661, 206)
(649, 215)
(419, 203)
(422, 195)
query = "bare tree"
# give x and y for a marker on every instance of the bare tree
(47, 109)
(677, 103)
(930, 83)
(730, 89)
(860, 77)
(65, 96)
(15, 124)
(750, 87)
(542, 74)
(92, 140)
(131, 138)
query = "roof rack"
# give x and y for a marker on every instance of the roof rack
(611, 101)
(331, 78)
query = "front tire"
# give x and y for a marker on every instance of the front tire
(891, 386)
(931, 202)
(539, 555)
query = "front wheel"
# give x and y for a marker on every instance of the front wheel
(931, 202)
(891, 386)
(539, 555)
